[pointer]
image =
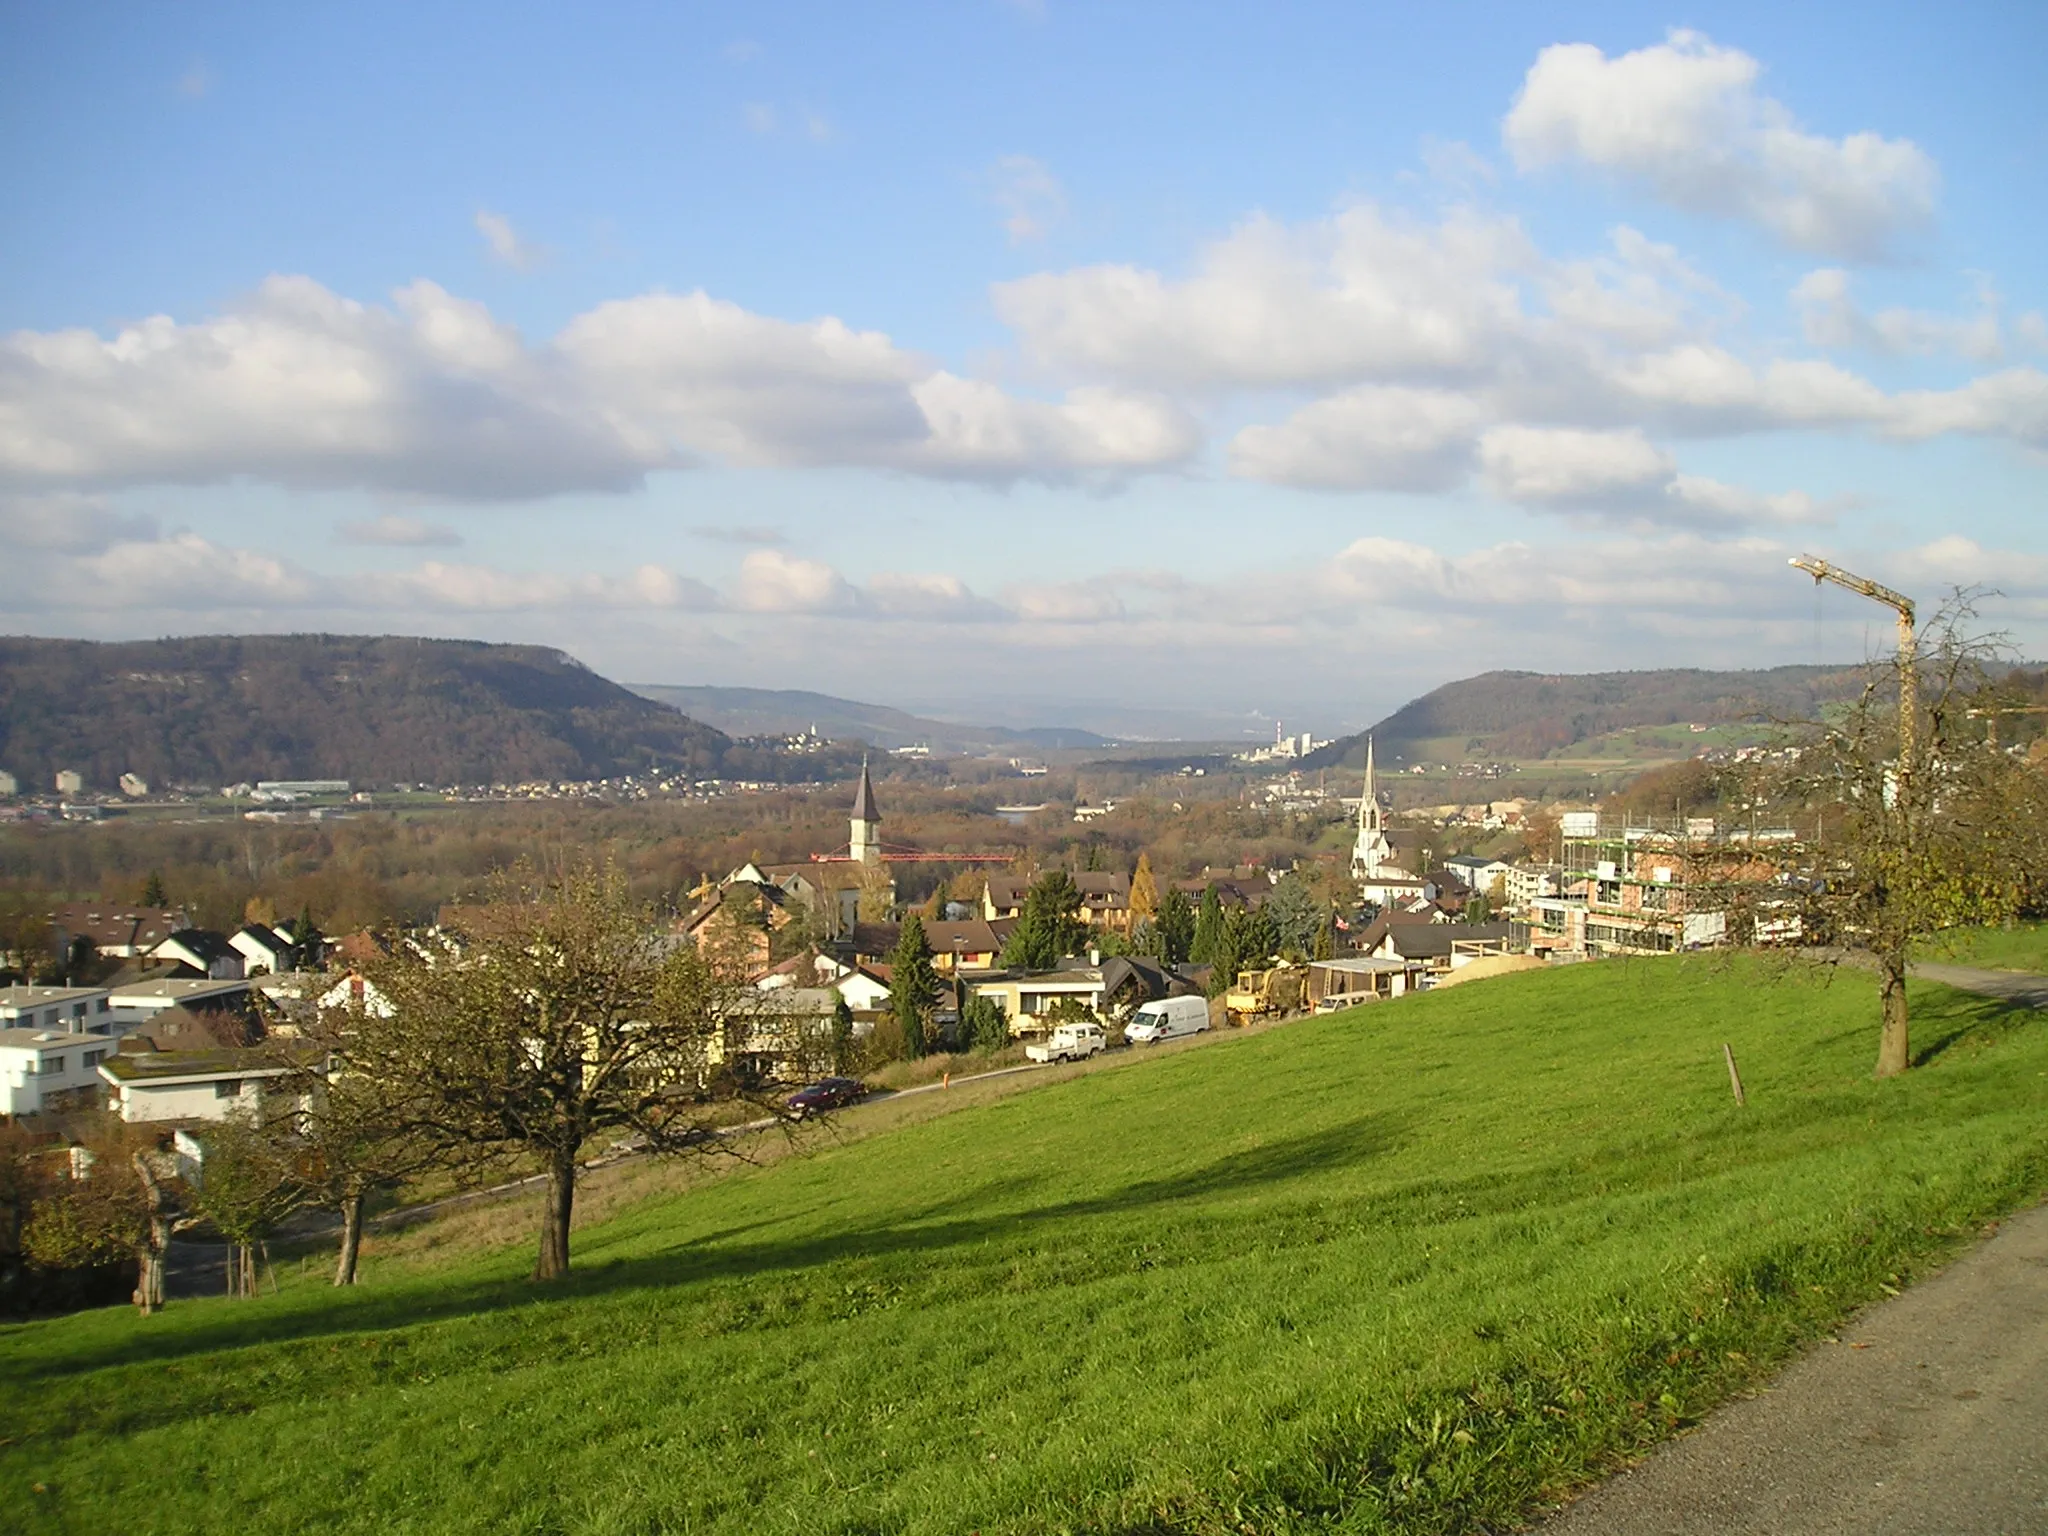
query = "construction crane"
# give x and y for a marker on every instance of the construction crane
(1909, 681)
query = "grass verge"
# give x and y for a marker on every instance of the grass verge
(1414, 1268)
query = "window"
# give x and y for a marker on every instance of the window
(104, 1006)
(228, 1088)
(52, 1066)
(93, 1059)
(78, 1010)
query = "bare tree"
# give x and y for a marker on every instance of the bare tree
(563, 1015)
(357, 1136)
(1916, 830)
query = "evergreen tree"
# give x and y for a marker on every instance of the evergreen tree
(153, 893)
(1258, 936)
(1049, 926)
(1326, 936)
(1208, 929)
(912, 984)
(983, 1025)
(1293, 910)
(1176, 926)
(1144, 892)
(1226, 951)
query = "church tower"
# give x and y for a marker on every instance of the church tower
(866, 842)
(1370, 852)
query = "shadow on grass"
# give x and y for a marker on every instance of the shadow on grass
(1963, 1016)
(932, 1228)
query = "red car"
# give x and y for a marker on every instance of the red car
(826, 1093)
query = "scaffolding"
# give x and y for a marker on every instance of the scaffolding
(1647, 884)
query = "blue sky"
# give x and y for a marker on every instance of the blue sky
(1011, 359)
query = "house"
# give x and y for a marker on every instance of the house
(200, 952)
(355, 991)
(971, 943)
(195, 1085)
(37, 1065)
(1442, 946)
(115, 930)
(1652, 885)
(734, 924)
(1477, 872)
(1105, 898)
(1025, 997)
(72, 1010)
(1362, 979)
(787, 1034)
(262, 948)
(1523, 883)
(140, 1002)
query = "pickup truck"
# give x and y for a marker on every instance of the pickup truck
(1068, 1042)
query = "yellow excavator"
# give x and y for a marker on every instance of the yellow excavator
(1262, 993)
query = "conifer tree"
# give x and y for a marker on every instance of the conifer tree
(1208, 929)
(1144, 892)
(912, 984)
(1176, 926)
(1049, 926)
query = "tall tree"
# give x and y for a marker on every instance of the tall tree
(912, 985)
(1176, 926)
(1293, 910)
(1049, 925)
(565, 1014)
(1144, 891)
(153, 894)
(1208, 929)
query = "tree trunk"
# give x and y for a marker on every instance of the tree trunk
(149, 1259)
(149, 1280)
(553, 1262)
(351, 1238)
(1893, 1053)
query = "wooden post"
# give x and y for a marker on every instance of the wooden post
(1734, 1077)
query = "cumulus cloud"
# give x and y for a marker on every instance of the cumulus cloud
(300, 387)
(1684, 120)
(1830, 317)
(1029, 195)
(1569, 467)
(504, 243)
(773, 582)
(400, 532)
(1374, 437)
(439, 586)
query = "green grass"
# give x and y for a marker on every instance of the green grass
(1410, 1268)
(2023, 947)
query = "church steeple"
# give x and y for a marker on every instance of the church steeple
(865, 844)
(1370, 852)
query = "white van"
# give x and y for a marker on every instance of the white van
(1168, 1019)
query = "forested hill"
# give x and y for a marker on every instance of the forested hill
(375, 710)
(1520, 715)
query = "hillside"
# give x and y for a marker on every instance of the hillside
(213, 710)
(1415, 1268)
(785, 711)
(1525, 715)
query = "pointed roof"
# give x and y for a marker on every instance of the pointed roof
(1369, 802)
(864, 807)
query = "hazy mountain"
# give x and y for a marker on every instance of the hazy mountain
(374, 710)
(785, 711)
(1522, 715)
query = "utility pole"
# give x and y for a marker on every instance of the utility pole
(1909, 681)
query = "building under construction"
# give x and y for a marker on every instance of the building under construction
(1645, 885)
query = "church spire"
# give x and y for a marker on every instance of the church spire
(865, 844)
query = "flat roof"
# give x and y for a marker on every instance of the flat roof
(175, 1066)
(35, 997)
(1364, 965)
(41, 1039)
(174, 990)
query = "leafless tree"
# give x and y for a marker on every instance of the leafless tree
(564, 1015)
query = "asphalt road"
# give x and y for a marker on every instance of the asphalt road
(2016, 987)
(1928, 1414)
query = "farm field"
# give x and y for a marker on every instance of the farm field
(1409, 1268)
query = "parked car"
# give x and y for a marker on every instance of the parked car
(826, 1093)
(1167, 1018)
(1068, 1042)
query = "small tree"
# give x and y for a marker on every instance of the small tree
(984, 1026)
(1938, 830)
(153, 894)
(1049, 926)
(912, 985)
(565, 1015)
(1144, 891)
(1176, 926)
(249, 1180)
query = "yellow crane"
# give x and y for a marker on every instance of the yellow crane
(1909, 681)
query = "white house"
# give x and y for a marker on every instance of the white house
(1478, 871)
(75, 1010)
(38, 1062)
(261, 948)
(142, 1001)
(191, 1085)
(201, 951)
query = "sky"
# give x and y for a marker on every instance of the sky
(1026, 360)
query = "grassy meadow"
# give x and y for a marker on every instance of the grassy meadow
(2022, 947)
(1411, 1268)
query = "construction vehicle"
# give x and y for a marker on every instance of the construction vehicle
(1262, 993)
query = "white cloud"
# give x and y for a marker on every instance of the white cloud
(1374, 437)
(1684, 120)
(402, 532)
(1030, 196)
(1830, 317)
(183, 571)
(299, 387)
(773, 582)
(2010, 403)
(506, 248)
(1571, 467)
(439, 586)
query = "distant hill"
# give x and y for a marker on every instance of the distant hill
(375, 710)
(1522, 715)
(784, 711)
